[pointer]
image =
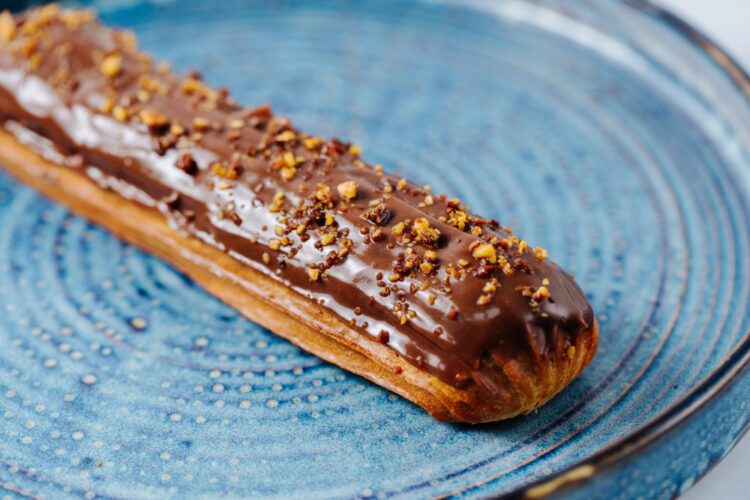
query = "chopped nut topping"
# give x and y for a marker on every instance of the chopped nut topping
(285, 136)
(7, 26)
(312, 143)
(120, 114)
(378, 214)
(483, 300)
(191, 85)
(201, 124)
(541, 293)
(176, 129)
(231, 172)
(540, 253)
(485, 251)
(257, 138)
(154, 120)
(107, 104)
(236, 124)
(111, 65)
(187, 164)
(424, 233)
(323, 195)
(347, 190)
(327, 239)
(75, 18)
(426, 267)
(289, 159)
(288, 173)
(278, 200)
(35, 60)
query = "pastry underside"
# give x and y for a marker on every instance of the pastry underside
(527, 382)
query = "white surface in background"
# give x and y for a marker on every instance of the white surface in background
(726, 22)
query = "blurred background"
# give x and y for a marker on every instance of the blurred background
(725, 21)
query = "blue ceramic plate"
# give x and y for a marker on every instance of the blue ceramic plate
(608, 132)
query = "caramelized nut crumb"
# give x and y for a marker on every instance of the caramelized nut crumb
(7, 26)
(485, 251)
(541, 293)
(201, 124)
(176, 129)
(347, 190)
(120, 114)
(285, 136)
(111, 65)
(191, 85)
(452, 313)
(154, 120)
(288, 173)
(483, 300)
(187, 164)
(312, 143)
(540, 253)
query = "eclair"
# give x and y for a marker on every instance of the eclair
(364, 269)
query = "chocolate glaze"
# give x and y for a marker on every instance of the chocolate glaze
(59, 94)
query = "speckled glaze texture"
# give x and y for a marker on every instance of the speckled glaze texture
(604, 131)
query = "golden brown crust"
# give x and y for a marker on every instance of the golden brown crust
(526, 383)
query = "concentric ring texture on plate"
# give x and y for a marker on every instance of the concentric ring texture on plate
(593, 129)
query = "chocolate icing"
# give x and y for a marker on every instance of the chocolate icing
(451, 290)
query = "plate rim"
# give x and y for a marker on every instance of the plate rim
(716, 383)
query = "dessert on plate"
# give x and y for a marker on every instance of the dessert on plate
(365, 269)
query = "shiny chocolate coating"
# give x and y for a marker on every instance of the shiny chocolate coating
(444, 288)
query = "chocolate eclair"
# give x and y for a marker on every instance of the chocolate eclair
(364, 269)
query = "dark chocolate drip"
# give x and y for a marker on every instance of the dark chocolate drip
(441, 286)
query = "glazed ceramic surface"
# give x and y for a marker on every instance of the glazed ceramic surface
(604, 131)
